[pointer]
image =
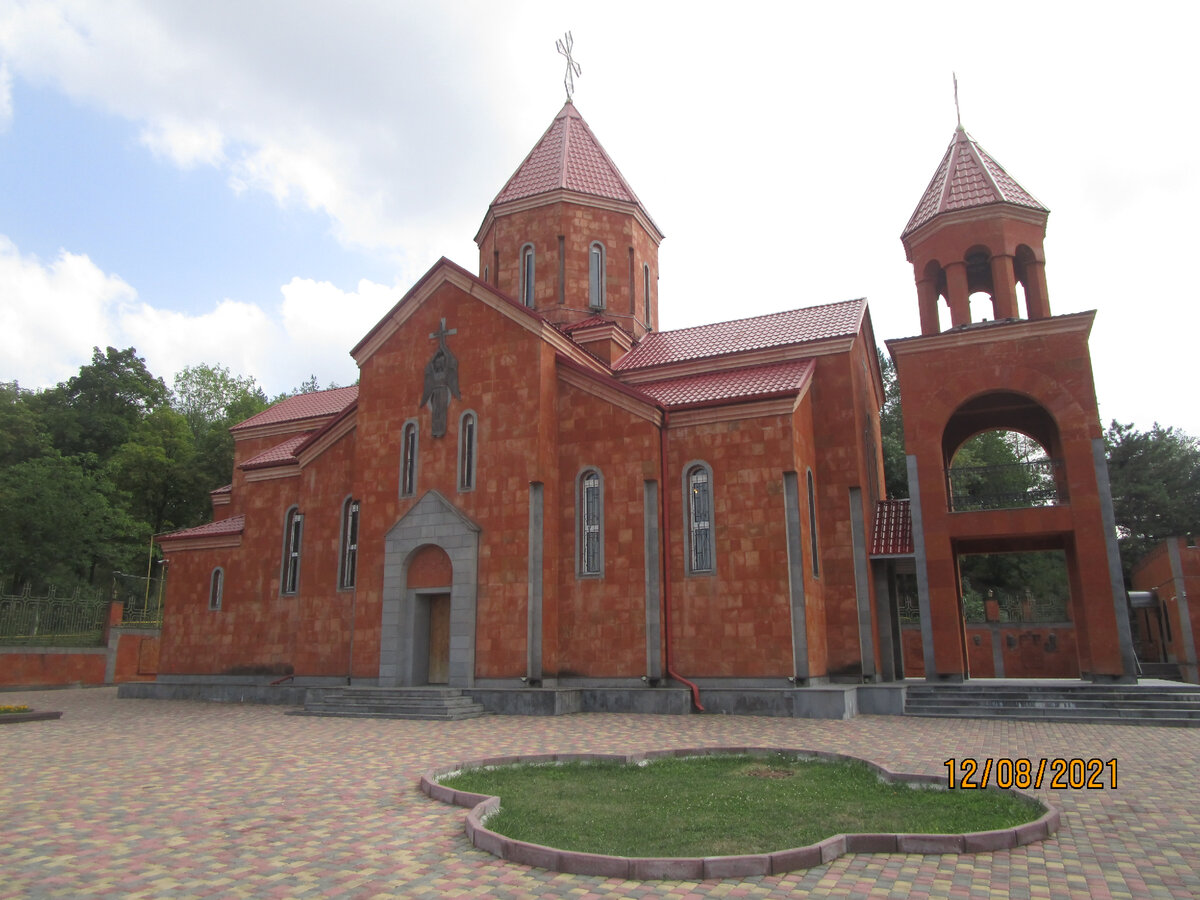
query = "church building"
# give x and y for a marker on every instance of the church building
(538, 497)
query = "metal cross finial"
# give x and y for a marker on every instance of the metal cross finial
(564, 48)
(957, 111)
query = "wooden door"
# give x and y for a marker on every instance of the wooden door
(439, 639)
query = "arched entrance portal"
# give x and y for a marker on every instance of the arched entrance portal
(429, 592)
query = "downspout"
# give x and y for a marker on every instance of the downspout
(666, 558)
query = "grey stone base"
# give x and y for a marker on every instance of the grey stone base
(828, 701)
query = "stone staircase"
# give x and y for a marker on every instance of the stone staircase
(441, 703)
(1156, 703)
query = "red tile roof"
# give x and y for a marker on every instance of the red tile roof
(589, 322)
(280, 454)
(734, 384)
(303, 406)
(232, 525)
(567, 157)
(225, 489)
(968, 177)
(796, 326)
(893, 529)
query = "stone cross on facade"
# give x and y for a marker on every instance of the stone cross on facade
(564, 47)
(441, 379)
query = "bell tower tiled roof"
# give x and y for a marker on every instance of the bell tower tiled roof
(966, 178)
(568, 157)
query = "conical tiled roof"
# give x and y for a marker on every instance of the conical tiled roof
(968, 177)
(567, 157)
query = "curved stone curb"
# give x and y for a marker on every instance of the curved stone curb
(32, 716)
(714, 867)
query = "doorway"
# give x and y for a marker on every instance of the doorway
(439, 639)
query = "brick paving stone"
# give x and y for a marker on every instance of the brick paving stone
(151, 798)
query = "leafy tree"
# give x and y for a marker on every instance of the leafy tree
(1155, 481)
(891, 427)
(22, 434)
(212, 400)
(156, 472)
(97, 410)
(59, 523)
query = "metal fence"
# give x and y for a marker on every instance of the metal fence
(72, 620)
(1009, 486)
(142, 598)
(1012, 608)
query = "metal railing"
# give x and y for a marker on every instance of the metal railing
(142, 598)
(74, 620)
(1010, 486)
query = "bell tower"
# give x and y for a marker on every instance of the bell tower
(977, 236)
(976, 230)
(567, 237)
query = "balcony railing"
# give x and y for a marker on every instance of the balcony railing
(1041, 482)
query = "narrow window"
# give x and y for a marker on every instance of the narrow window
(293, 531)
(646, 293)
(562, 269)
(215, 587)
(591, 523)
(466, 452)
(527, 270)
(699, 512)
(812, 525)
(408, 459)
(596, 276)
(632, 292)
(349, 554)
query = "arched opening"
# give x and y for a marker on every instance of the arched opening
(429, 579)
(980, 288)
(1002, 451)
(1027, 271)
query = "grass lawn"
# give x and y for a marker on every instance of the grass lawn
(722, 805)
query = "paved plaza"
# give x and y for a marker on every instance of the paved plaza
(152, 798)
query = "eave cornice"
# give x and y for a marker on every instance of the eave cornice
(990, 332)
(563, 195)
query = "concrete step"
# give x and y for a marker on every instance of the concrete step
(443, 704)
(1119, 704)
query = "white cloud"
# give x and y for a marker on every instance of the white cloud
(6, 109)
(52, 315)
(187, 144)
(55, 313)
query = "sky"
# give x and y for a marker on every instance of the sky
(253, 185)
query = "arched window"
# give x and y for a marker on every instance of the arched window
(646, 293)
(698, 506)
(596, 275)
(589, 512)
(466, 451)
(812, 525)
(527, 275)
(408, 459)
(216, 586)
(293, 532)
(349, 548)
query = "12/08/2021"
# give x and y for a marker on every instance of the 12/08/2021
(1021, 773)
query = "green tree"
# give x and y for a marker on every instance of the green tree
(212, 400)
(156, 472)
(61, 524)
(1155, 481)
(22, 434)
(891, 428)
(97, 410)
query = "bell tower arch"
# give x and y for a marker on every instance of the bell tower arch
(977, 235)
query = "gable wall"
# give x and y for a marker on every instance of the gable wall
(500, 376)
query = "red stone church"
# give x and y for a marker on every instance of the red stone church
(538, 497)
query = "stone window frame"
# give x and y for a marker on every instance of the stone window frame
(409, 457)
(293, 543)
(694, 551)
(813, 544)
(528, 280)
(216, 588)
(597, 274)
(468, 451)
(582, 526)
(348, 544)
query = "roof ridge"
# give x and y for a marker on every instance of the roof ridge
(781, 312)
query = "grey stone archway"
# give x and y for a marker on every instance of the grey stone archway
(433, 521)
